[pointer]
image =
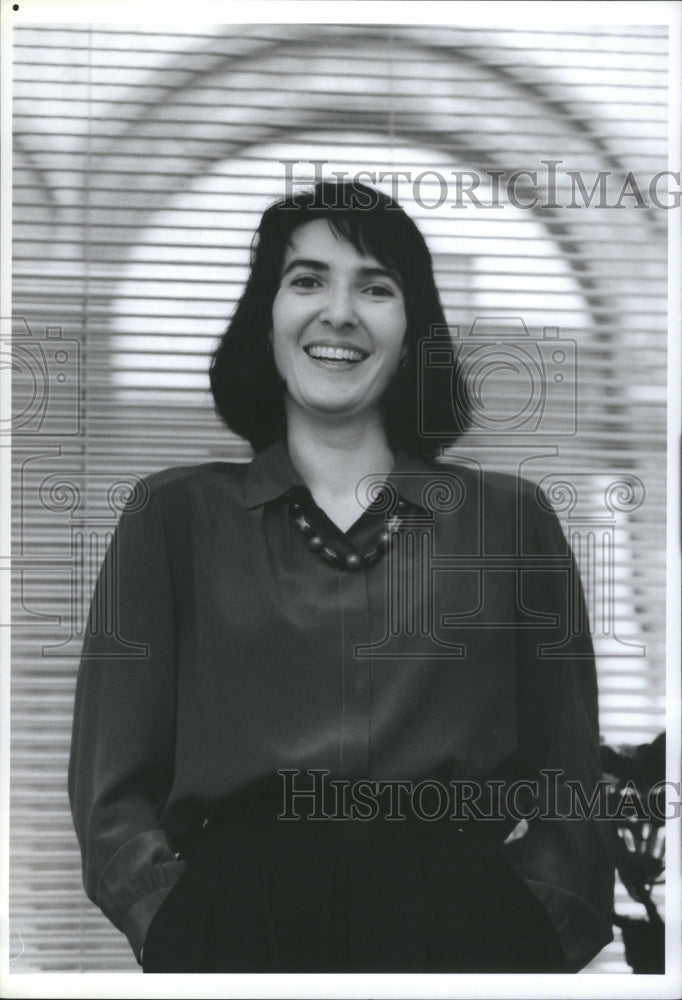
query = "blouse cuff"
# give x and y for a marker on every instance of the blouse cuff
(582, 930)
(135, 882)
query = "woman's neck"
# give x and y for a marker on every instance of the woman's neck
(332, 460)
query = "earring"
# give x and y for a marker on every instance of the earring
(404, 363)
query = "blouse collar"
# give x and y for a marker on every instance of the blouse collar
(271, 473)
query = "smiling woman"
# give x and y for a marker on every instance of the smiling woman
(359, 266)
(338, 327)
(338, 336)
(341, 608)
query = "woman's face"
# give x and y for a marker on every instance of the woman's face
(338, 324)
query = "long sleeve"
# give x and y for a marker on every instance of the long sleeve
(122, 751)
(566, 861)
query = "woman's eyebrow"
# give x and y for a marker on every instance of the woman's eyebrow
(381, 272)
(310, 265)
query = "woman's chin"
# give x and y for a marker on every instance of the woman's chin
(339, 409)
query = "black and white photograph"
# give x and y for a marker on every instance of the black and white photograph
(340, 360)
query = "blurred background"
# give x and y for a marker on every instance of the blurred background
(142, 162)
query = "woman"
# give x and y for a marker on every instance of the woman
(331, 668)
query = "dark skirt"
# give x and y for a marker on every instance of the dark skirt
(261, 895)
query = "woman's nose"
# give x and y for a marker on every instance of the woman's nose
(339, 307)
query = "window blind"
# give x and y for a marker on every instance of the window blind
(142, 162)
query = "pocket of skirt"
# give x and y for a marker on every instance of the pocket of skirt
(161, 919)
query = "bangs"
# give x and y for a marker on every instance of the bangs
(372, 222)
(368, 234)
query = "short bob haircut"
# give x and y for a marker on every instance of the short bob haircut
(426, 407)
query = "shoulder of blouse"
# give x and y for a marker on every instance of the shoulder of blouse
(501, 487)
(166, 498)
(171, 485)
(504, 497)
(178, 476)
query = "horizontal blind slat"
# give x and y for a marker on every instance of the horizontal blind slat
(135, 202)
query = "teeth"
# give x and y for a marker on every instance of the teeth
(334, 353)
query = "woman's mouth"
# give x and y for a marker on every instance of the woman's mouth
(335, 355)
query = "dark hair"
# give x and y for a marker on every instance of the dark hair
(246, 386)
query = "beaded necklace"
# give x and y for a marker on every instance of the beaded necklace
(315, 526)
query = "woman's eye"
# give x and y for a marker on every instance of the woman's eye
(380, 291)
(306, 281)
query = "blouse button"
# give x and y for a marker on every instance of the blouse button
(315, 543)
(353, 561)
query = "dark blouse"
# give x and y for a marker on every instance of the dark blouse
(221, 649)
